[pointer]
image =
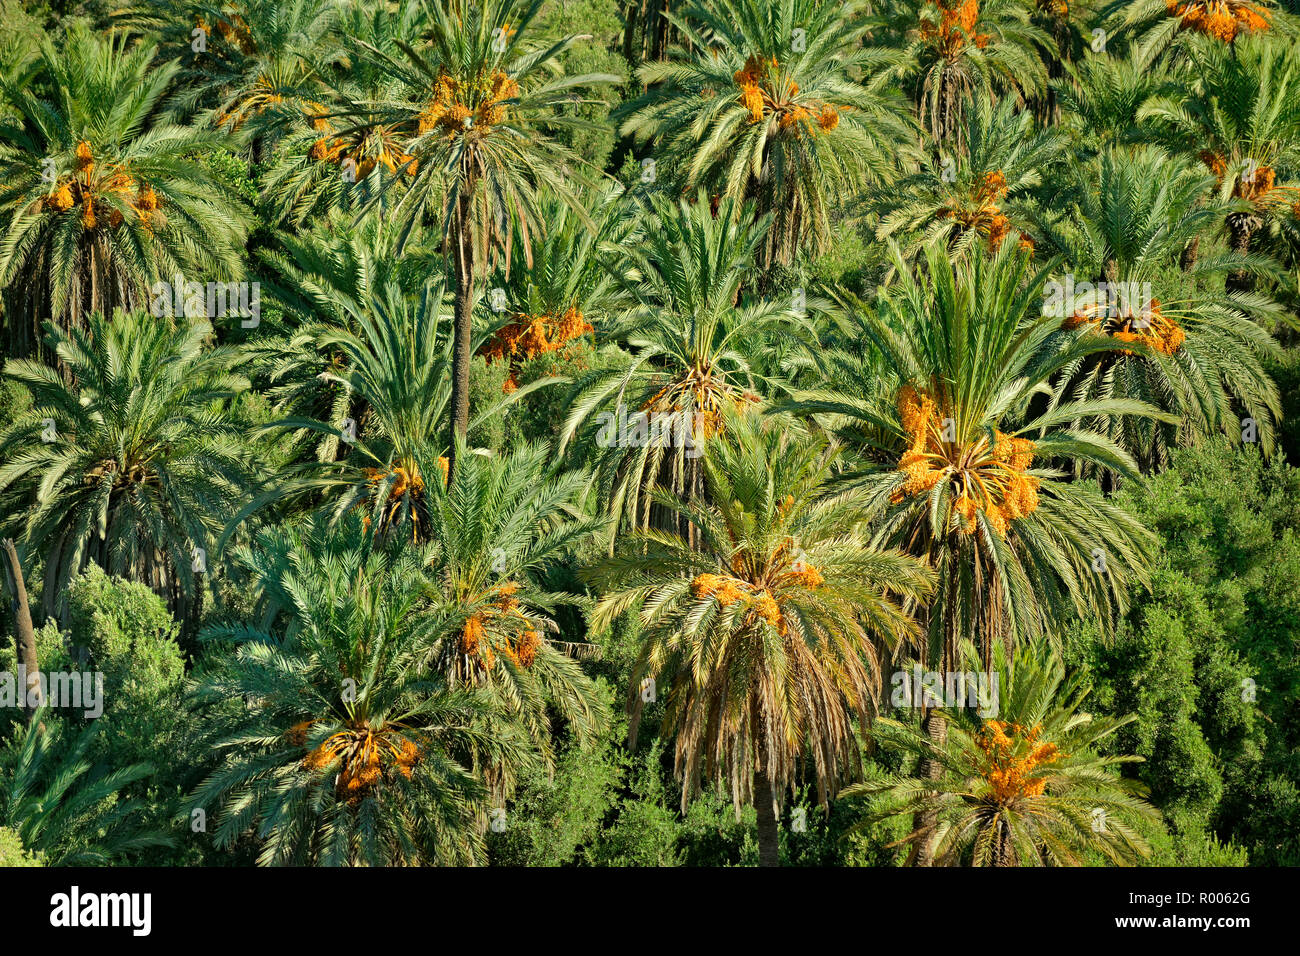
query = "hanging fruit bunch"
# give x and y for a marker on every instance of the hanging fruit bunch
(235, 32)
(988, 474)
(533, 335)
(1148, 325)
(981, 210)
(458, 109)
(91, 184)
(365, 148)
(1254, 182)
(1057, 8)
(1221, 19)
(368, 757)
(1012, 754)
(512, 633)
(765, 91)
(754, 583)
(703, 394)
(953, 26)
(407, 489)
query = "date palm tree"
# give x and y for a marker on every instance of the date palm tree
(336, 157)
(1193, 349)
(67, 809)
(954, 51)
(135, 464)
(762, 633)
(480, 127)
(778, 104)
(1173, 31)
(969, 472)
(344, 750)
(978, 196)
(1100, 98)
(691, 347)
(1031, 786)
(564, 284)
(100, 194)
(501, 527)
(1241, 117)
(395, 380)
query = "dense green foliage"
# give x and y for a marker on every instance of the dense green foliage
(560, 432)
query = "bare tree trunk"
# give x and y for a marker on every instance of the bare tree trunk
(769, 837)
(24, 633)
(1003, 854)
(926, 821)
(464, 268)
(1242, 227)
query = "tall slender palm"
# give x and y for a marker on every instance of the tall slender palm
(481, 142)
(135, 464)
(763, 632)
(941, 400)
(1029, 787)
(100, 194)
(780, 104)
(692, 343)
(345, 751)
(1200, 354)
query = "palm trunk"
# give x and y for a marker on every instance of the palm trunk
(925, 822)
(1190, 251)
(24, 633)
(769, 839)
(464, 268)
(1242, 227)
(1003, 854)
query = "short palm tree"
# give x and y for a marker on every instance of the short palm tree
(394, 373)
(563, 284)
(1241, 117)
(100, 194)
(323, 283)
(691, 346)
(977, 196)
(762, 633)
(1173, 29)
(1100, 98)
(501, 527)
(135, 464)
(249, 66)
(480, 124)
(1028, 787)
(1200, 353)
(344, 749)
(336, 157)
(66, 808)
(942, 398)
(778, 104)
